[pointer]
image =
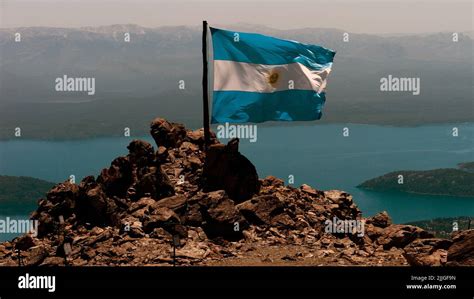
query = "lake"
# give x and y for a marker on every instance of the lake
(318, 155)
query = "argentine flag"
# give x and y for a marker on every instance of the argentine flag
(260, 78)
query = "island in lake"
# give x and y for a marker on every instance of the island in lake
(446, 181)
(444, 227)
(21, 189)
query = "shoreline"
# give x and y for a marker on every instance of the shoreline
(143, 134)
(416, 193)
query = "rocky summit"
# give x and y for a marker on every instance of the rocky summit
(175, 204)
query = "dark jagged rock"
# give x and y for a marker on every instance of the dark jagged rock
(93, 205)
(141, 153)
(166, 133)
(226, 169)
(161, 154)
(25, 242)
(62, 192)
(62, 199)
(117, 178)
(219, 215)
(153, 182)
(46, 223)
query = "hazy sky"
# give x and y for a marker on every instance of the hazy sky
(382, 16)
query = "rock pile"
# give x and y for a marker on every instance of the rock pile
(214, 210)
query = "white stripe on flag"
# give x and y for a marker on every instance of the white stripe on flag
(242, 76)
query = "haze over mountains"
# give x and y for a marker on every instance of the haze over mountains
(137, 80)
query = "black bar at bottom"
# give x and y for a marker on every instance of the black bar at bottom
(289, 282)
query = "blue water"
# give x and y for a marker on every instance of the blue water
(317, 155)
(321, 157)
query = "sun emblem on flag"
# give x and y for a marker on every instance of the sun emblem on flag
(273, 78)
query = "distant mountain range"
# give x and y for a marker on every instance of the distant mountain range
(138, 80)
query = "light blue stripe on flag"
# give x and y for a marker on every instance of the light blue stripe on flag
(252, 75)
(262, 49)
(287, 105)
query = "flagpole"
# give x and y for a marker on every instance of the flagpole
(205, 87)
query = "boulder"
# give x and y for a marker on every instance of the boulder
(141, 153)
(95, 203)
(400, 235)
(143, 203)
(382, 220)
(261, 209)
(61, 200)
(46, 223)
(92, 205)
(218, 214)
(311, 191)
(95, 207)
(427, 252)
(154, 182)
(24, 242)
(226, 169)
(136, 230)
(62, 192)
(117, 178)
(197, 137)
(461, 253)
(372, 231)
(166, 133)
(271, 181)
(36, 256)
(175, 203)
(342, 204)
(193, 215)
(161, 217)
